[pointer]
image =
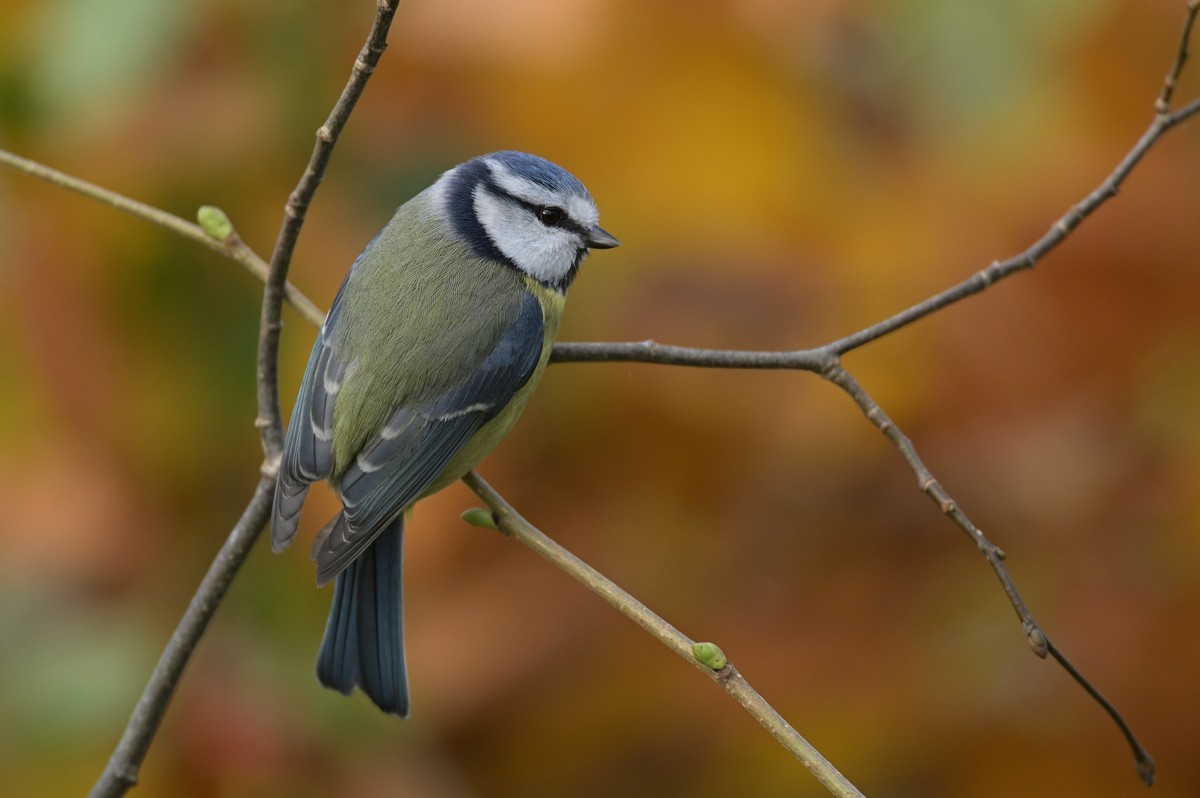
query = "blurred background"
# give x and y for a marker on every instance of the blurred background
(781, 173)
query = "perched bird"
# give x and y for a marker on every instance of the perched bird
(429, 353)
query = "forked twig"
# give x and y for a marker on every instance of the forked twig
(826, 361)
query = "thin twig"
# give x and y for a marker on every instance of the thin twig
(232, 247)
(1146, 769)
(121, 773)
(510, 522)
(270, 420)
(825, 360)
(665, 354)
(815, 359)
(1034, 635)
(1163, 104)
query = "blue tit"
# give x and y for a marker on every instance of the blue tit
(430, 351)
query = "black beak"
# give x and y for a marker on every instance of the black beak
(599, 238)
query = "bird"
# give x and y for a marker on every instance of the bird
(434, 342)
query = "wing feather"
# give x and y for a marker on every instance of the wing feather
(308, 448)
(416, 444)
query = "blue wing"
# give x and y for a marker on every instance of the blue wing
(394, 468)
(308, 448)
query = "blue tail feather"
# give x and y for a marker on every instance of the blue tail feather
(364, 638)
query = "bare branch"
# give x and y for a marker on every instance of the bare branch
(270, 421)
(232, 247)
(1037, 639)
(511, 523)
(825, 360)
(121, 773)
(1144, 763)
(814, 359)
(1163, 104)
(667, 355)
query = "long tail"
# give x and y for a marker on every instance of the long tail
(364, 638)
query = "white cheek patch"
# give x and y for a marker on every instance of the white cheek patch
(545, 253)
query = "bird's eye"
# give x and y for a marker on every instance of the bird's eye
(550, 215)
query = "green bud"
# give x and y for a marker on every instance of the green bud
(215, 222)
(477, 516)
(710, 655)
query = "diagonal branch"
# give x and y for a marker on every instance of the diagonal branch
(825, 360)
(122, 770)
(121, 773)
(1057, 233)
(511, 523)
(995, 556)
(814, 359)
(1163, 104)
(231, 246)
(269, 420)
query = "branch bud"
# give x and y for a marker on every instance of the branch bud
(477, 516)
(215, 222)
(709, 655)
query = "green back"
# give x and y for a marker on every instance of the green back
(420, 312)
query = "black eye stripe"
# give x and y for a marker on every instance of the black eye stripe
(565, 223)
